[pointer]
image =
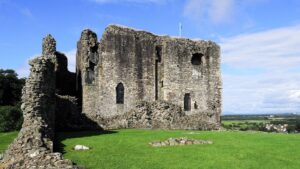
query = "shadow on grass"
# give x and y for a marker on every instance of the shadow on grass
(61, 136)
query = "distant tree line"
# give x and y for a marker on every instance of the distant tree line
(260, 125)
(10, 100)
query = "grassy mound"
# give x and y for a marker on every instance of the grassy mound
(131, 149)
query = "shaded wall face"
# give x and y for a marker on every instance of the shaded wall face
(126, 59)
(87, 58)
(192, 77)
(65, 80)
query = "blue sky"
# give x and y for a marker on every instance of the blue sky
(260, 39)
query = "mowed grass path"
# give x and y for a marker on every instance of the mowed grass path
(124, 149)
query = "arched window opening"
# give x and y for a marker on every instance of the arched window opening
(120, 94)
(197, 58)
(187, 102)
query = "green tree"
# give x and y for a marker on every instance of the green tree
(297, 126)
(10, 118)
(10, 87)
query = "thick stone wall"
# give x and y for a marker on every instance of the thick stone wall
(127, 58)
(202, 82)
(157, 115)
(148, 68)
(87, 70)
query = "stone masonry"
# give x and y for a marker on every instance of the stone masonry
(33, 147)
(128, 66)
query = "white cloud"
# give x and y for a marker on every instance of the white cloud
(221, 10)
(218, 11)
(71, 55)
(272, 57)
(278, 48)
(24, 70)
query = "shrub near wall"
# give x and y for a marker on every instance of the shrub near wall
(10, 118)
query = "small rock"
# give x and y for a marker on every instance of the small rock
(1, 156)
(156, 144)
(209, 142)
(172, 142)
(182, 142)
(34, 154)
(81, 147)
(56, 155)
(189, 142)
(197, 142)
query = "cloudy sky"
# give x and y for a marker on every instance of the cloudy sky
(260, 39)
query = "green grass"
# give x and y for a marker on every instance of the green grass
(130, 149)
(5, 139)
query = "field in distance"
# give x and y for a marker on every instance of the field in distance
(259, 122)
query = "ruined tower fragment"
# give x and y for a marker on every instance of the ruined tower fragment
(33, 148)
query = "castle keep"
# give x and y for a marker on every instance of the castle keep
(128, 66)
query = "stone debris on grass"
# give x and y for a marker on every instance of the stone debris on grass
(178, 141)
(81, 147)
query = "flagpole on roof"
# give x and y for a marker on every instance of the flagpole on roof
(180, 29)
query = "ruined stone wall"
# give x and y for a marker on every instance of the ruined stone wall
(198, 77)
(33, 148)
(150, 68)
(127, 58)
(87, 59)
(157, 115)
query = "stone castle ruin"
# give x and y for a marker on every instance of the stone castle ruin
(128, 66)
(128, 79)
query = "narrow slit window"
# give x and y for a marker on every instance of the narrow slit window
(120, 93)
(158, 53)
(195, 105)
(187, 102)
(90, 73)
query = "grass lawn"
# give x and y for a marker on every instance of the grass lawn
(6, 138)
(130, 149)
